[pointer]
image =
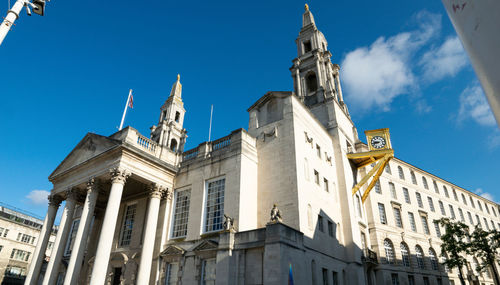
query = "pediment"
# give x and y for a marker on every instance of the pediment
(173, 250)
(206, 245)
(89, 147)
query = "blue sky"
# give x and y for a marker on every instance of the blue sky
(69, 72)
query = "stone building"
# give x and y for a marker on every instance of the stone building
(254, 207)
(18, 236)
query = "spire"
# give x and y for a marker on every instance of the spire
(307, 18)
(177, 88)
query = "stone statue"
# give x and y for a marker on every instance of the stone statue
(228, 223)
(276, 214)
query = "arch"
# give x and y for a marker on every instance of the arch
(413, 177)
(405, 254)
(388, 169)
(433, 259)
(311, 82)
(419, 254)
(401, 173)
(173, 145)
(389, 251)
(177, 116)
(446, 192)
(436, 189)
(424, 181)
(464, 200)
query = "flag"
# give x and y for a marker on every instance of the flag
(131, 100)
(290, 275)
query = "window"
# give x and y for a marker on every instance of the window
(407, 195)
(378, 189)
(486, 224)
(420, 257)
(335, 276)
(411, 218)
(20, 255)
(433, 259)
(316, 176)
(431, 204)
(401, 173)
(397, 217)
(208, 272)
(128, 224)
(215, 205)
(181, 213)
(486, 208)
(1, 247)
(173, 145)
(171, 273)
(325, 184)
(494, 212)
(446, 192)
(436, 189)
(425, 225)
(452, 212)
(455, 196)
(405, 254)
(437, 229)
(441, 206)
(320, 223)
(325, 276)
(472, 202)
(358, 206)
(426, 281)
(177, 116)
(311, 83)
(424, 181)
(381, 211)
(413, 178)
(330, 229)
(363, 240)
(419, 200)
(318, 151)
(478, 221)
(464, 200)
(411, 280)
(479, 205)
(313, 272)
(392, 188)
(394, 279)
(439, 281)
(72, 236)
(307, 46)
(389, 251)
(5, 232)
(388, 169)
(461, 213)
(470, 218)
(493, 225)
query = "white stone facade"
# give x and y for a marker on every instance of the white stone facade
(150, 212)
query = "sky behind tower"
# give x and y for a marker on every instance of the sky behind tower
(69, 72)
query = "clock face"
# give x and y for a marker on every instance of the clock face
(377, 142)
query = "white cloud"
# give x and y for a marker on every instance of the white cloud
(486, 195)
(446, 60)
(375, 75)
(38, 197)
(473, 105)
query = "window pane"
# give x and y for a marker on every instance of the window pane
(215, 205)
(128, 224)
(181, 213)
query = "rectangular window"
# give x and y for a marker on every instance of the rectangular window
(325, 276)
(6, 231)
(330, 228)
(316, 177)
(425, 225)
(20, 255)
(381, 211)
(171, 276)
(215, 205)
(446, 192)
(493, 225)
(407, 195)
(318, 151)
(128, 225)
(208, 271)
(478, 221)
(486, 224)
(320, 223)
(452, 212)
(479, 205)
(431, 204)
(419, 200)
(426, 281)
(72, 236)
(411, 218)
(378, 189)
(470, 218)
(392, 188)
(335, 276)
(411, 280)
(441, 206)
(472, 202)
(325, 184)
(395, 279)
(437, 229)
(455, 196)
(461, 213)
(181, 213)
(397, 217)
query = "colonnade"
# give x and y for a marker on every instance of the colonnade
(105, 241)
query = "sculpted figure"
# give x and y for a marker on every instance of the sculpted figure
(228, 223)
(276, 214)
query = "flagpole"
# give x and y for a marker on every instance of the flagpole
(125, 111)
(210, 128)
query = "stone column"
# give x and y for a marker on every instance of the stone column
(339, 88)
(149, 234)
(43, 240)
(75, 262)
(297, 80)
(118, 178)
(61, 239)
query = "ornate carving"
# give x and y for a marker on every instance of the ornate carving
(92, 185)
(54, 200)
(168, 194)
(228, 223)
(155, 190)
(119, 175)
(72, 194)
(276, 214)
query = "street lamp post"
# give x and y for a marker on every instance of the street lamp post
(38, 7)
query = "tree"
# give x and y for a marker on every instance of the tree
(484, 245)
(455, 245)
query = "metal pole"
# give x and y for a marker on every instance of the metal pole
(125, 111)
(12, 16)
(210, 128)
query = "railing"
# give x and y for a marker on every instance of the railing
(221, 143)
(190, 154)
(146, 143)
(370, 256)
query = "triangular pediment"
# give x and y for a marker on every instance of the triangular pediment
(206, 245)
(89, 147)
(173, 250)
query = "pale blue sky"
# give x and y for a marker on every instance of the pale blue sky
(69, 72)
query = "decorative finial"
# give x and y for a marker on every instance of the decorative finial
(178, 77)
(306, 7)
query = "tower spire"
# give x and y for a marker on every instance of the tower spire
(177, 88)
(307, 18)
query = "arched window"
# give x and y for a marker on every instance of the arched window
(405, 254)
(433, 259)
(389, 251)
(424, 181)
(388, 169)
(464, 200)
(173, 145)
(177, 116)
(401, 173)
(311, 82)
(446, 192)
(419, 253)
(413, 178)
(436, 189)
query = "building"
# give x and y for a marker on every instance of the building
(254, 207)
(19, 232)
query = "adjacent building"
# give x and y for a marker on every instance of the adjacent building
(258, 206)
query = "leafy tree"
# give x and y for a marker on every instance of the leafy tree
(484, 245)
(455, 245)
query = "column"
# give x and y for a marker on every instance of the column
(75, 262)
(61, 239)
(339, 88)
(100, 268)
(43, 240)
(297, 80)
(149, 234)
